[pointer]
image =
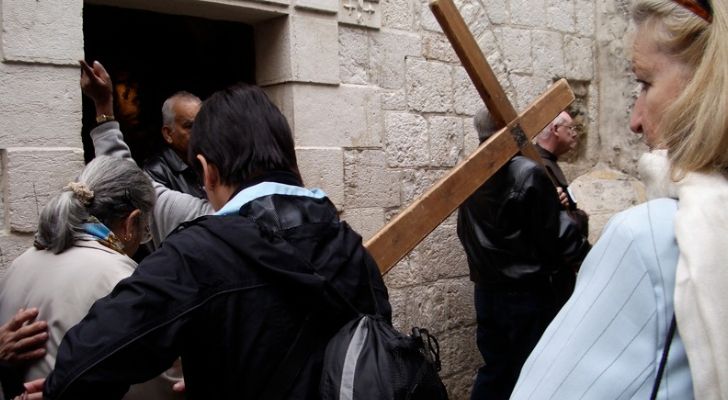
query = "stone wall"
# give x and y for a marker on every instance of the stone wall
(379, 104)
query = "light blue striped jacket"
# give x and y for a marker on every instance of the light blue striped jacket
(607, 341)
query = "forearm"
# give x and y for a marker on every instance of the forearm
(109, 141)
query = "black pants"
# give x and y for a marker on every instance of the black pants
(510, 323)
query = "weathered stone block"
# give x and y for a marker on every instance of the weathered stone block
(497, 11)
(408, 273)
(366, 221)
(460, 385)
(422, 306)
(406, 140)
(527, 88)
(11, 246)
(459, 352)
(516, 45)
(30, 177)
(284, 47)
(435, 46)
(528, 13)
(604, 192)
(442, 253)
(426, 19)
(470, 138)
(273, 53)
(473, 15)
(459, 300)
(283, 97)
(398, 14)
(489, 46)
(368, 182)
(548, 54)
(323, 167)
(466, 100)
(342, 116)
(42, 31)
(579, 58)
(417, 182)
(389, 50)
(39, 106)
(446, 141)
(584, 11)
(429, 86)
(560, 15)
(394, 100)
(607, 190)
(353, 55)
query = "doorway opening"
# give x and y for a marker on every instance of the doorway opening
(151, 56)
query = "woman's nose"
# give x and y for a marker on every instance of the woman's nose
(635, 120)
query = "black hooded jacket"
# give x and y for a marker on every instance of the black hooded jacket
(514, 231)
(228, 294)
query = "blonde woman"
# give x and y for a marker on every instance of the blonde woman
(616, 337)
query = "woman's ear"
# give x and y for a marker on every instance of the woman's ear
(130, 225)
(210, 174)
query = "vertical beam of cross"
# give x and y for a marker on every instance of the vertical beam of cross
(479, 70)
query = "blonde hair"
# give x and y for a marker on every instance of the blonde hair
(694, 129)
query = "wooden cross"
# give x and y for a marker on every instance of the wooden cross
(412, 225)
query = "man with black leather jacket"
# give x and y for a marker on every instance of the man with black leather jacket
(229, 293)
(170, 167)
(523, 253)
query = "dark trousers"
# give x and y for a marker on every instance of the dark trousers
(510, 323)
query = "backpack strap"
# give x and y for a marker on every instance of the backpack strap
(663, 360)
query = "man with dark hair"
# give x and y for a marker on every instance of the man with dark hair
(230, 293)
(170, 167)
(520, 247)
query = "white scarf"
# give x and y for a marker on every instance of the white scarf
(701, 289)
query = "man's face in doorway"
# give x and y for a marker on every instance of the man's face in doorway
(177, 136)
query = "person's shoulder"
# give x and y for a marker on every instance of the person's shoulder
(154, 164)
(652, 221)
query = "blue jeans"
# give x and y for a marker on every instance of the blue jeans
(510, 323)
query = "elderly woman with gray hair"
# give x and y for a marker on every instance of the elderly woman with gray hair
(86, 235)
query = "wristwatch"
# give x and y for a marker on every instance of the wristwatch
(100, 119)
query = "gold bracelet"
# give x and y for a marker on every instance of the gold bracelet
(100, 119)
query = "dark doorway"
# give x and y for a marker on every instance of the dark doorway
(150, 56)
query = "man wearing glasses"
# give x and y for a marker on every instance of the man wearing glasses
(558, 138)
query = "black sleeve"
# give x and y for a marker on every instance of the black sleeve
(128, 336)
(540, 209)
(573, 244)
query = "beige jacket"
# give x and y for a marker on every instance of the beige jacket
(701, 287)
(64, 287)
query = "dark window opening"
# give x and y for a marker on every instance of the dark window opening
(150, 56)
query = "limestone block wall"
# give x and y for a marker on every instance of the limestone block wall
(40, 112)
(379, 105)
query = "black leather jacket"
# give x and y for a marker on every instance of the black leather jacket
(513, 229)
(228, 294)
(171, 171)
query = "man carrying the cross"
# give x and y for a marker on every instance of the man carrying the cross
(521, 248)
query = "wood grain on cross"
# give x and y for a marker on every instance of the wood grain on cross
(412, 225)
